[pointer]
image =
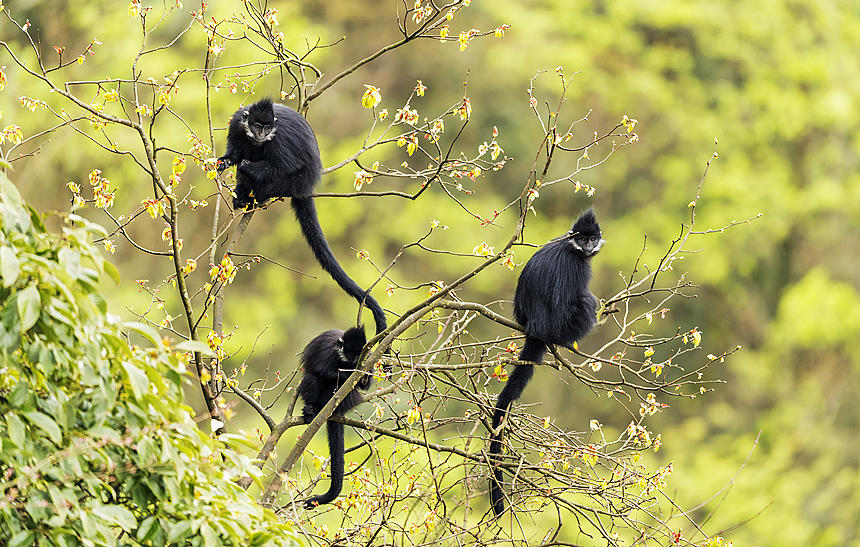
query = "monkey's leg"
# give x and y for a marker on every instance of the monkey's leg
(309, 413)
(243, 195)
(262, 176)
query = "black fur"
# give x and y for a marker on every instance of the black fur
(552, 302)
(277, 155)
(328, 360)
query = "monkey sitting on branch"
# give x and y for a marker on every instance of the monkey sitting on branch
(553, 304)
(328, 360)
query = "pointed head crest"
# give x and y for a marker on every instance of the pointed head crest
(262, 111)
(585, 237)
(586, 224)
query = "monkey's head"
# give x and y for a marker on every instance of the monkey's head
(259, 121)
(585, 236)
(351, 342)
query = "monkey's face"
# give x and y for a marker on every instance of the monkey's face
(585, 236)
(259, 127)
(587, 244)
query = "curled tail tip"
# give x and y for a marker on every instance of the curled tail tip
(316, 501)
(378, 313)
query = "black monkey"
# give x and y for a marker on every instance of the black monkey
(277, 155)
(552, 302)
(329, 359)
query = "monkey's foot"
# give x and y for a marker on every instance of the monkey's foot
(240, 205)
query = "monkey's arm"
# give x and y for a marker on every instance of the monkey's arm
(583, 317)
(258, 171)
(265, 171)
(270, 181)
(230, 157)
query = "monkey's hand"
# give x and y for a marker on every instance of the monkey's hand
(364, 383)
(223, 163)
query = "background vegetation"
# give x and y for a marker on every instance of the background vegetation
(776, 82)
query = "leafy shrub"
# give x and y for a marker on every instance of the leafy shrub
(96, 445)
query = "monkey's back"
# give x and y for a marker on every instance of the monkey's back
(323, 375)
(295, 147)
(552, 300)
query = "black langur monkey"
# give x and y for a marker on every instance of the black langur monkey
(329, 359)
(553, 304)
(277, 155)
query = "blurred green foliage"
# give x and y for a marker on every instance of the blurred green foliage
(96, 445)
(776, 82)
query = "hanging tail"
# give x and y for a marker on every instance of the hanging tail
(533, 350)
(306, 214)
(335, 448)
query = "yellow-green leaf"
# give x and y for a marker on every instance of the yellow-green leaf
(46, 424)
(28, 307)
(9, 266)
(17, 429)
(116, 515)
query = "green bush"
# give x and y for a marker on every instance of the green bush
(96, 445)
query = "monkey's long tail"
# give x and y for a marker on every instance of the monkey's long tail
(335, 448)
(306, 214)
(533, 350)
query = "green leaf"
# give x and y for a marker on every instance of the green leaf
(12, 211)
(9, 191)
(70, 260)
(263, 538)
(20, 396)
(146, 528)
(144, 330)
(28, 307)
(17, 429)
(116, 515)
(46, 424)
(194, 346)
(210, 538)
(179, 531)
(9, 266)
(146, 451)
(111, 270)
(87, 523)
(21, 539)
(137, 378)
